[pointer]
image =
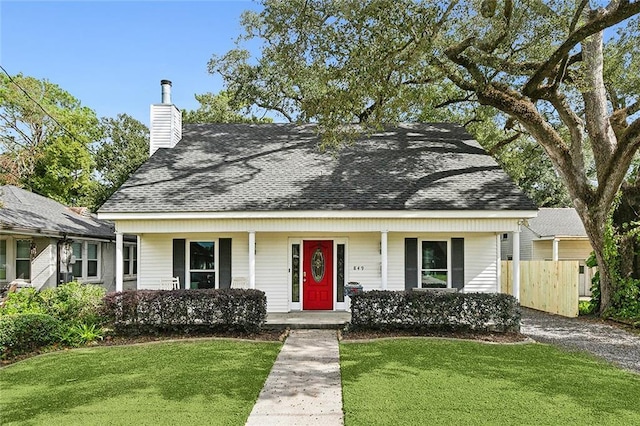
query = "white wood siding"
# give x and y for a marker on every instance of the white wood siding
(481, 263)
(295, 225)
(272, 273)
(363, 263)
(166, 126)
(156, 260)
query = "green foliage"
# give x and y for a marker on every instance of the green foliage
(434, 310)
(219, 108)
(47, 153)
(74, 302)
(26, 332)
(123, 148)
(626, 290)
(79, 334)
(186, 311)
(25, 301)
(585, 307)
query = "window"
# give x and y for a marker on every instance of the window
(202, 265)
(3, 259)
(434, 265)
(92, 260)
(76, 268)
(23, 259)
(87, 255)
(295, 273)
(130, 256)
(340, 273)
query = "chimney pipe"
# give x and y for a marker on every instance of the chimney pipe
(166, 91)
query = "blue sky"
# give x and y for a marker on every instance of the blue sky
(111, 55)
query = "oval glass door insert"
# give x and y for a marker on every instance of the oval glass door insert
(317, 265)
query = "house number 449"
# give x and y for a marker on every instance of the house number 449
(358, 268)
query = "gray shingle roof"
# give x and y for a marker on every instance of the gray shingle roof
(272, 167)
(560, 222)
(24, 210)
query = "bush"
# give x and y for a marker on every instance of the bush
(25, 301)
(74, 303)
(186, 311)
(22, 333)
(434, 310)
(71, 303)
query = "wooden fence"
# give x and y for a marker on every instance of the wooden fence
(550, 286)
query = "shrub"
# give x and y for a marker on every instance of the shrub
(22, 333)
(185, 311)
(434, 310)
(25, 301)
(79, 334)
(74, 302)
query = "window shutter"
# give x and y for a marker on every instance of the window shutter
(410, 263)
(224, 257)
(457, 263)
(179, 250)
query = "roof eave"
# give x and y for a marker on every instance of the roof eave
(324, 214)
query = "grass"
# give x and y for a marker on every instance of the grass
(439, 382)
(205, 382)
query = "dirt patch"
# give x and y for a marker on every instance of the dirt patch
(266, 335)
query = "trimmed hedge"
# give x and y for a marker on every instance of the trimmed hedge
(186, 311)
(22, 333)
(434, 310)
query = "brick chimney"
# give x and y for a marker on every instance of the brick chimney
(166, 121)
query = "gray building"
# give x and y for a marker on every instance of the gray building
(44, 243)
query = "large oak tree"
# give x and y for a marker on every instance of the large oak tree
(564, 72)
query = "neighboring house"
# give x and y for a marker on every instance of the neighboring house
(44, 243)
(261, 206)
(555, 234)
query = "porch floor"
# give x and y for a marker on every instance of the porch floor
(308, 319)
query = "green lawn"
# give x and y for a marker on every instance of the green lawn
(439, 382)
(205, 382)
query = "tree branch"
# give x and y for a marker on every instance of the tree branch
(611, 17)
(503, 143)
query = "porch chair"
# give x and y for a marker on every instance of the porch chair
(170, 283)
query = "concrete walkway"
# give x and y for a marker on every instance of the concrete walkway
(304, 385)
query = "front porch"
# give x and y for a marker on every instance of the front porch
(307, 319)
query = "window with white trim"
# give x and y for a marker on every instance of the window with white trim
(87, 260)
(434, 264)
(130, 259)
(3, 260)
(202, 264)
(23, 259)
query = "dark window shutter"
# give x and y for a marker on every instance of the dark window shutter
(179, 248)
(457, 263)
(224, 258)
(410, 263)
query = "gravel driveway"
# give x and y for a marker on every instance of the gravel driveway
(611, 343)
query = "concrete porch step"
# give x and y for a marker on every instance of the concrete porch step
(308, 320)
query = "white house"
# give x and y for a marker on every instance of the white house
(44, 243)
(261, 206)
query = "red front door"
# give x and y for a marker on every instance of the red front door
(317, 275)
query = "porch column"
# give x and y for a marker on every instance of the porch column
(554, 255)
(499, 261)
(383, 258)
(138, 258)
(252, 259)
(119, 261)
(516, 264)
